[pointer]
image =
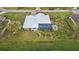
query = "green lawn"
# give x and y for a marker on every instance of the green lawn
(63, 39)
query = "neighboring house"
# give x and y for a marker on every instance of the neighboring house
(3, 22)
(3, 19)
(37, 21)
(75, 19)
(76, 11)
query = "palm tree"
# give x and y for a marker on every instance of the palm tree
(13, 27)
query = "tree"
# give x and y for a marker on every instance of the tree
(13, 27)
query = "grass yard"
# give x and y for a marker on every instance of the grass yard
(63, 39)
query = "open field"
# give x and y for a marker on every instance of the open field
(66, 38)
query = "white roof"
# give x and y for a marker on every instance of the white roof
(41, 18)
(30, 23)
(33, 21)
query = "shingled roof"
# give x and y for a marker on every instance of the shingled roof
(3, 19)
(75, 17)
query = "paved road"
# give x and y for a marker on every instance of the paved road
(37, 10)
(2, 12)
(6, 10)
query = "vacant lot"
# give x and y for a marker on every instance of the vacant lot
(66, 38)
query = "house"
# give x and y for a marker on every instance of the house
(75, 11)
(3, 19)
(37, 21)
(75, 19)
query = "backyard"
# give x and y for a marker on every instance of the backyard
(66, 38)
